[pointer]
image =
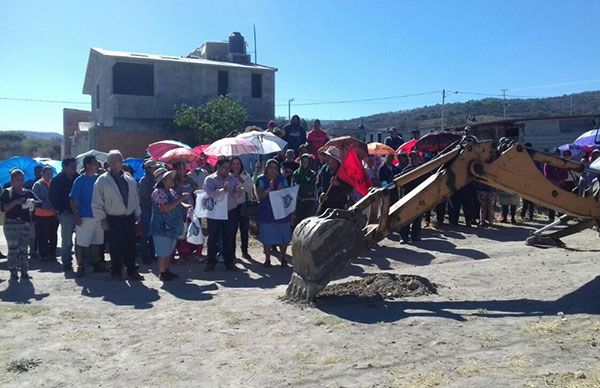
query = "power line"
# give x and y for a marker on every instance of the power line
(364, 99)
(46, 101)
(559, 84)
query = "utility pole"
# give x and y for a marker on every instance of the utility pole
(255, 55)
(571, 104)
(290, 108)
(443, 103)
(503, 102)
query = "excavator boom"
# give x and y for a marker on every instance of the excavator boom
(322, 246)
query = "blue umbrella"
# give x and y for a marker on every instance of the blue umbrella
(587, 139)
(138, 167)
(21, 162)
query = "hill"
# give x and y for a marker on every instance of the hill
(457, 114)
(29, 143)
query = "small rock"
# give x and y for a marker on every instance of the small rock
(412, 285)
(580, 375)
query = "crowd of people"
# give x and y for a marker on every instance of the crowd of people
(105, 209)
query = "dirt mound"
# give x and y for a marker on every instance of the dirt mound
(382, 285)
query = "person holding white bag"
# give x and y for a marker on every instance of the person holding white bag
(168, 209)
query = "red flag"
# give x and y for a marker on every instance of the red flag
(352, 172)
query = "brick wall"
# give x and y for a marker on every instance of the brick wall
(130, 143)
(71, 119)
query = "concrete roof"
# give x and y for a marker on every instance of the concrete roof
(145, 58)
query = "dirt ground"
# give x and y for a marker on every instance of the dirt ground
(505, 314)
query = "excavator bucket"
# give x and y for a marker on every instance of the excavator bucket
(321, 247)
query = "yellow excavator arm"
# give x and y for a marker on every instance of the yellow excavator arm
(322, 246)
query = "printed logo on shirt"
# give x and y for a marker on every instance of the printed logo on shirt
(208, 203)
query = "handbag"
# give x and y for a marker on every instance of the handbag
(249, 208)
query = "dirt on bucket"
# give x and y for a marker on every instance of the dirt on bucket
(382, 285)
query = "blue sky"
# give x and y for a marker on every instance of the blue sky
(325, 50)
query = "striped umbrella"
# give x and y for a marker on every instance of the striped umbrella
(231, 146)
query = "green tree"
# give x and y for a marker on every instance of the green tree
(213, 120)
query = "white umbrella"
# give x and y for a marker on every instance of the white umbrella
(100, 156)
(231, 146)
(266, 142)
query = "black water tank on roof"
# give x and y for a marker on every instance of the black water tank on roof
(237, 44)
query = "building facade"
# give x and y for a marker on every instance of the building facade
(136, 95)
(73, 120)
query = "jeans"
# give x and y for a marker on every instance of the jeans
(67, 228)
(221, 230)
(46, 236)
(146, 241)
(464, 198)
(527, 208)
(121, 239)
(243, 224)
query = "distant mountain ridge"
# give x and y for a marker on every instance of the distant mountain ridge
(458, 113)
(38, 135)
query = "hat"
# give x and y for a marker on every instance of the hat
(307, 156)
(162, 173)
(150, 163)
(334, 152)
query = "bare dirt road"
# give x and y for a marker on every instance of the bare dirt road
(505, 315)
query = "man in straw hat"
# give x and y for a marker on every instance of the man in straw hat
(334, 192)
(116, 203)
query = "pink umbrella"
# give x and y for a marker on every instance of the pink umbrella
(406, 147)
(179, 155)
(158, 149)
(209, 158)
(231, 146)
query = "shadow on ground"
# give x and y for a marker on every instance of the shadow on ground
(584, 300)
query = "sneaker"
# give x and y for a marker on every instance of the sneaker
(135, 277)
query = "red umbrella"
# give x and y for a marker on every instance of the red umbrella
(158, 149)
(212, 160)
(345, 143)
(436, 141)
(179, 155)
(406, 147)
